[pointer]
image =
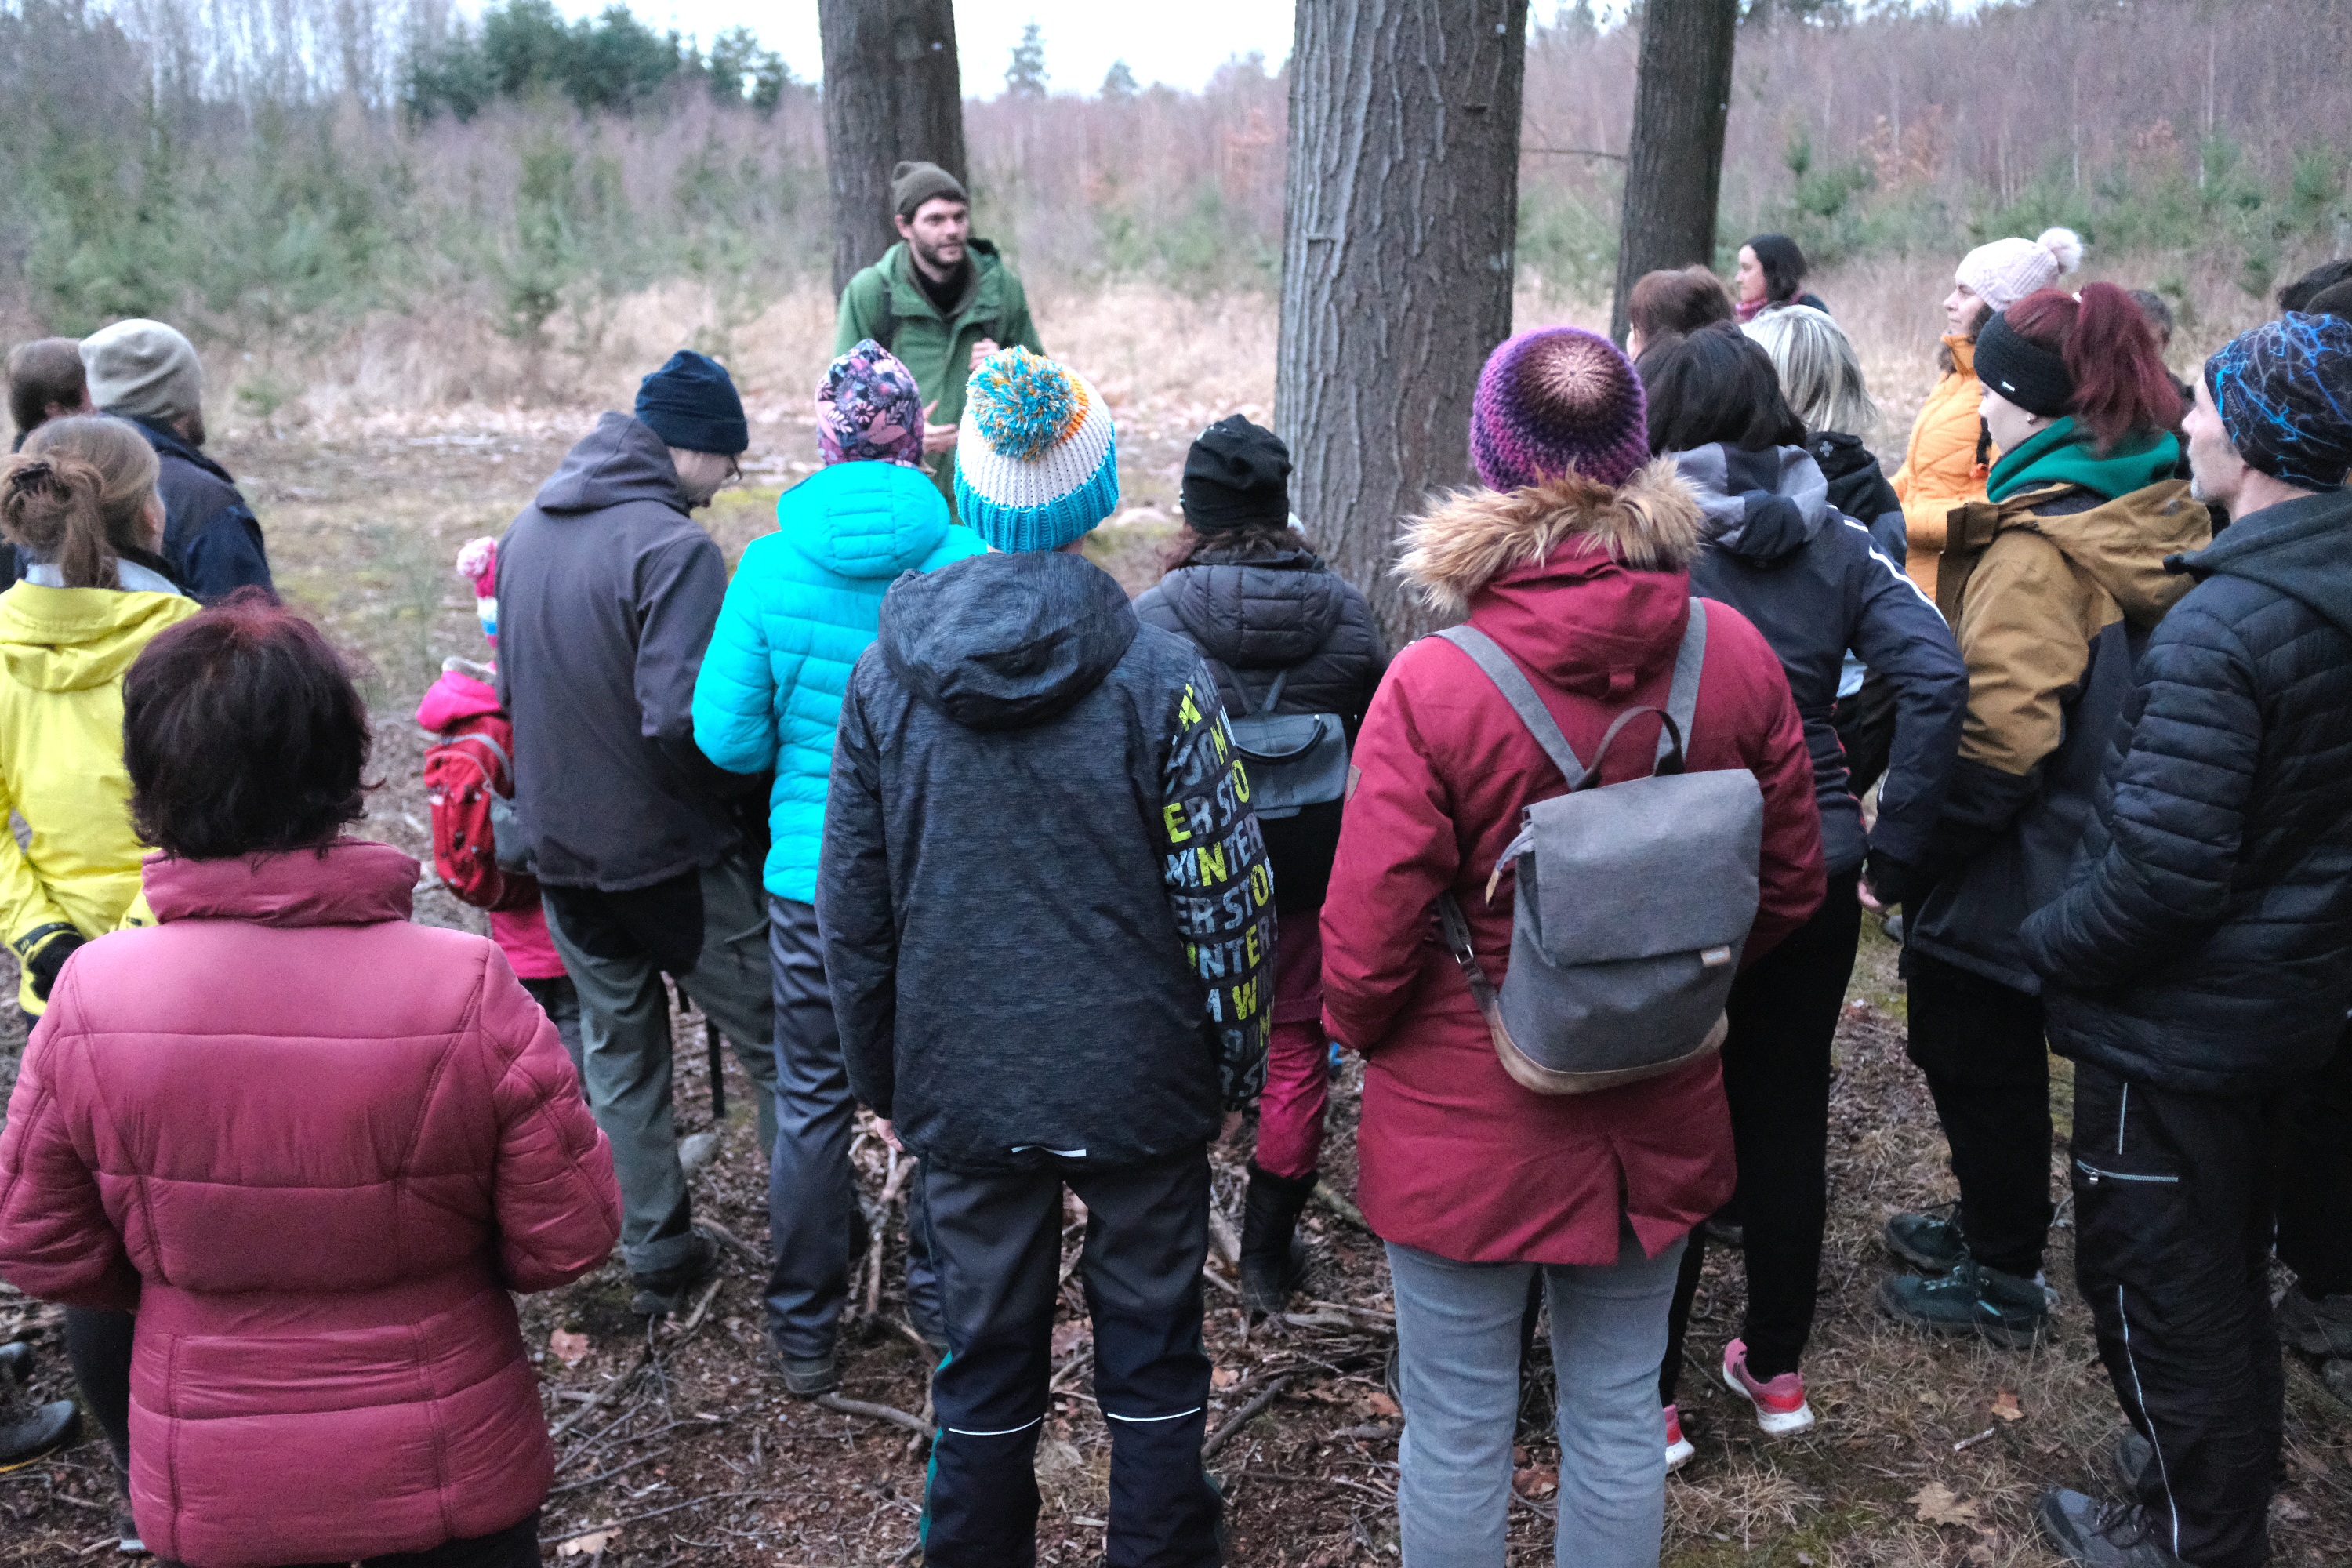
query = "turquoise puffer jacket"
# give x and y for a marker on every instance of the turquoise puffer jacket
(803, 604)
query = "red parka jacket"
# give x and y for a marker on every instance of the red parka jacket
(1455, 1158)
(313, 1146)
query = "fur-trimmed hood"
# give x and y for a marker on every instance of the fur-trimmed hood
(1649, 523)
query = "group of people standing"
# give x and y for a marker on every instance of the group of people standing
(927, 817)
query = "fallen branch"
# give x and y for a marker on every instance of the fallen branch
(1244, 1416)
(734, 1242)
(1385, 1496)
(892, 1414)
(899, 1167)
(641, 1518)
(606, 1476)
(1326, 1195)
(628, 1376)
(1372, 1312)
(701, 1308)
(1222, 1236)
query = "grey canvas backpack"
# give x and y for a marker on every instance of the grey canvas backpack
(1633, 899)
(1292, 759)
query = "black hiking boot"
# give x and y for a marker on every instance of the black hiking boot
(2005, 1309)
(1273, 1258)
(2321, 1328)
(664, 1291)
(26, 1434)
(1930, 1240)
(2134, 1457)
(2101, 1534)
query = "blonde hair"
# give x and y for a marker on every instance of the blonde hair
(1820, 375)
(78, 494)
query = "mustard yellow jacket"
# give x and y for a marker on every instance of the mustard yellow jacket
(1939, 469)
(63, 654)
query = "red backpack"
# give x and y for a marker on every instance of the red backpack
(470, 781)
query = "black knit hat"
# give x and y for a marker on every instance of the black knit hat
(1238, 474)
(691, 403)
(2022, 371)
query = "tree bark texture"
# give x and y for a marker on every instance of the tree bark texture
(1398, 254)
(1673, 170)
(892, 90)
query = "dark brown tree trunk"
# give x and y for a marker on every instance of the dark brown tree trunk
(1397, 263)
(1674, 169)
(892, 91)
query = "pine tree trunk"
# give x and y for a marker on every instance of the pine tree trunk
(1673, 170)
(892, 91)
(1397, 263)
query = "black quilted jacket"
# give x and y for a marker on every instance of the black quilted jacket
(1268, 613)
(2204, 939)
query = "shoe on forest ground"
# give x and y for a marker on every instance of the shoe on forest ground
(2321, 1328)
(126, 1530)
(1727, 1232)
(2004, 1309)
(805, 1378)
(27, 1435)
(1930, 1240)
(2100, 1534)
(1273, 1255)
(1780, 1407)
(2133, 1457)
(662, 1293)
(1679, 1451)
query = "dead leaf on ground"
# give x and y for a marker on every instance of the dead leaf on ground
(1379, 1403)
(1224, 1377)
(2005, 1406)
(1936, 1503)
(1535, 1482)
(590, 1544)
(570, 1349)
(1069, 1334)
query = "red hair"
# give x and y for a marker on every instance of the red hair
(2120, 381)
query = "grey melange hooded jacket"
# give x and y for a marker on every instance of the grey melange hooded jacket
(607, 595)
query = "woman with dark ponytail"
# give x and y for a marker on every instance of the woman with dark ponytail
(78, 502)
(2052, 584)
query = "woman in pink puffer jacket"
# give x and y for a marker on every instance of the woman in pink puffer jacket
(311, 1144)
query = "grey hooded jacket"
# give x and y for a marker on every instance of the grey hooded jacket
(1048, 922)
(1816, 585)
(607, 595)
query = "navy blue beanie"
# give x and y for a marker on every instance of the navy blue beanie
(690, 403)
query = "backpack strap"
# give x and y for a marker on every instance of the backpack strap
(506, 763)
(1265, 704)
(1521, 693)
(1681, 697)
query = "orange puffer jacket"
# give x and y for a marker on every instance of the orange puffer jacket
(1939, 469)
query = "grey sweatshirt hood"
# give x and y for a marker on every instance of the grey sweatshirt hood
(620, 460)
(1002, 641)
(1760, 506)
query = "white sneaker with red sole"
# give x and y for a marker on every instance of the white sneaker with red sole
(1678, 1448)
(1780, 1407)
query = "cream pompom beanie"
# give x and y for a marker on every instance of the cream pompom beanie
(2007, 270)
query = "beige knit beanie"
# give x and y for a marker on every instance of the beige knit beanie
(143, 369)
(2007, 270)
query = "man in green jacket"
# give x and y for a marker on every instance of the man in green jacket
(940, 300)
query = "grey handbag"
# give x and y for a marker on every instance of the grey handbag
(1292, 759)
(1633, 899)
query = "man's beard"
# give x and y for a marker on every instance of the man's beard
(929, 257)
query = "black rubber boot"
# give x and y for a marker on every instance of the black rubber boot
(1273, 1257)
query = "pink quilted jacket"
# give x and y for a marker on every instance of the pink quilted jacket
(314, 1147)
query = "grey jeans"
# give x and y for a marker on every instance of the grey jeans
(1458, 1356)
(812, 1190)
(626, 1052)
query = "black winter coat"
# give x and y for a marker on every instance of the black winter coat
(211, 537)
(1858, 488)
(1259, 616)
(1048, 927)
(1814, 583)
(2203, 942)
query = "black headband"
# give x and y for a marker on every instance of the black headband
(2032, 377)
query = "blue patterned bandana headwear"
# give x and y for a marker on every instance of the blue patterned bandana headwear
(2284, 394)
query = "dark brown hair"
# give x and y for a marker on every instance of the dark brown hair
(44, 372)
(1232, 546)
(1716, 384)
(78, 495)
(243, 734)
(1675, 303)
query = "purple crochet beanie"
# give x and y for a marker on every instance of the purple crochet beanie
(1553, 399)
(869, 410)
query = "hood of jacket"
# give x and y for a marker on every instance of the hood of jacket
(2059, 455)
(2301, 548)
(1263, 613)
(454, 698)
(1505, 559)
(1760, 506)
(69, 639)
(2123, 545)
(1002, 641)
(620, 460)
(169, 443)
(352, 881)
(863, 520)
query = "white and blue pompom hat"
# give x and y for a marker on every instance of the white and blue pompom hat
(1037, 465)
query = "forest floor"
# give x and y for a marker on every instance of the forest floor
(680, 1448)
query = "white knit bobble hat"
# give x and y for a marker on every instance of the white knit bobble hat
(2007, 270)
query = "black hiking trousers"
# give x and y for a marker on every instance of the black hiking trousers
(2315, 1209)
(2172, 1215)
(996, 1243)
(1980, 1044)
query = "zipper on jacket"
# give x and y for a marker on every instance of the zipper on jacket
(2097, 1175)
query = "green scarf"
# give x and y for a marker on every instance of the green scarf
(2062, 454)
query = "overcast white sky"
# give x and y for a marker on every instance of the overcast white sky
(1179, 44)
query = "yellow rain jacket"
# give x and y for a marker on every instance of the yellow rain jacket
(63, 654)
(1939, 469)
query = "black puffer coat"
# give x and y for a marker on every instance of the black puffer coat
(1858, 488)
(2203, 942)
(1253, 618)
